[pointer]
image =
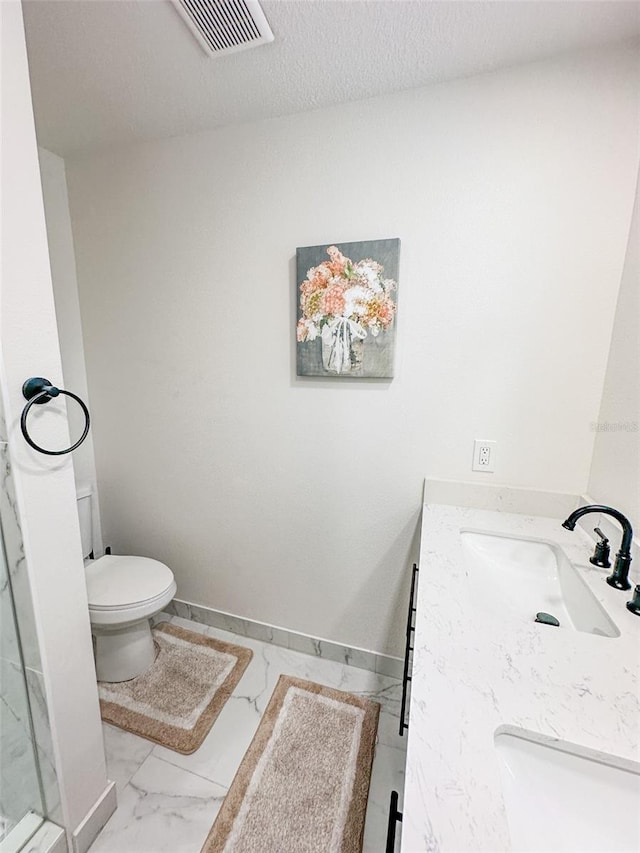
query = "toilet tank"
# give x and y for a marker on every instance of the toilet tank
(85, 516)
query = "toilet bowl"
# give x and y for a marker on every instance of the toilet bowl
(123, 593)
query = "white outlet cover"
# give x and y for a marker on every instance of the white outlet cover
(484, 455)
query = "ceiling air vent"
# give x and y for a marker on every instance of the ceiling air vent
(224, 26)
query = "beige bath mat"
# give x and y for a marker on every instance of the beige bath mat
(177, 700)
(304, 781)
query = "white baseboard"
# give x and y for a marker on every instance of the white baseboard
(87, 830)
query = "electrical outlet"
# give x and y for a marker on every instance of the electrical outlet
(484, 454)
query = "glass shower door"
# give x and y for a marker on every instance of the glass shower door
(21, 798)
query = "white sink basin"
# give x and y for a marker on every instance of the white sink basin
(527, 576)
(559, 801)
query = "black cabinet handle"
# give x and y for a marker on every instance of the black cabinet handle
(394, 817)
(406, 678)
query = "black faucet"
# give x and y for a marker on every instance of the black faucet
(619, 578)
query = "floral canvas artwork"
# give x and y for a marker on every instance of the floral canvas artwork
(347, 308)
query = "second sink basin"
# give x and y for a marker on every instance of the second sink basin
(527, 576)
(560, 801)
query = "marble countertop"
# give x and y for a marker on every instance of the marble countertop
(474, 674)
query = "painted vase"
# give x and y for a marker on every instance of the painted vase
(342, 349)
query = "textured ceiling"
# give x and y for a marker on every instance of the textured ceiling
(107, 73)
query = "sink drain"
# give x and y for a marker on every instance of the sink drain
(547, 619)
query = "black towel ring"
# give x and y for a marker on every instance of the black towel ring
(38, 391)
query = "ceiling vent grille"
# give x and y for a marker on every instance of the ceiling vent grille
(225, 26)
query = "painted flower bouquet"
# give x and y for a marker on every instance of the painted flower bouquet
(343, 302)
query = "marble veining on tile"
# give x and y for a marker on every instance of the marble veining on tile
(158, 788)
(15, 592)
(17, 569)
(383, 664)
(20, 790)
(44, 745)
(5, 825)
(125, 752)
(162, 809)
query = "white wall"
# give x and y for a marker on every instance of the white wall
(295, 501)
(615, 470)
(65, 293)
(44, 487)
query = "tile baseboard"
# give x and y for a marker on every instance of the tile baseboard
(361, 658)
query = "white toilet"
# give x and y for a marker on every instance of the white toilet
(123, 593)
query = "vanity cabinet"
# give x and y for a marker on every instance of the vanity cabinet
(408, 652)
(395, 816)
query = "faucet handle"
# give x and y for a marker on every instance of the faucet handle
(634, 604)
(601, 553)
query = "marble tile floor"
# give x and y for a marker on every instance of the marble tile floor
(167, 802)
(5, 826)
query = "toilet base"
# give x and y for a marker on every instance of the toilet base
(123, 653)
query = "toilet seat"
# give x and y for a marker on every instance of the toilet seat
(119, 583)
(124, 590)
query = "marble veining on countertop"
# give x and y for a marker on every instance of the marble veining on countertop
(476, 673)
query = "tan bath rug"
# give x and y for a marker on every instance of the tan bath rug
(304, 781)
(177, 700)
